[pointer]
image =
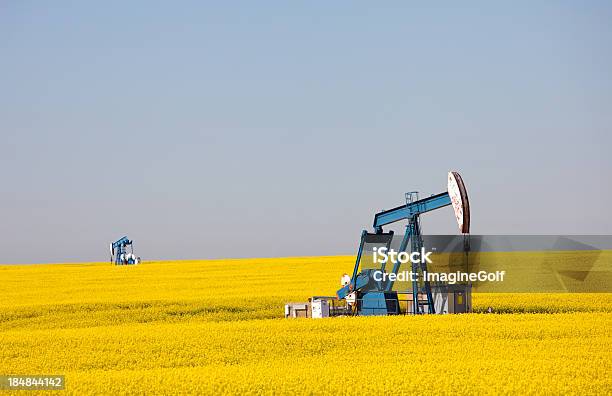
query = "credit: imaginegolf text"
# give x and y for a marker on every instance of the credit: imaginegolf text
(448, 277)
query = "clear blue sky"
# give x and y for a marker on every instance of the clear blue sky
(241, 129)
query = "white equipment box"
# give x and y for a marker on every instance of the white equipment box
(297, 310)
(320, 309)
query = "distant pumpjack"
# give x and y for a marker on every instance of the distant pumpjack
(119, 254)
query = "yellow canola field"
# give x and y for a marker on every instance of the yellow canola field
(216, 327)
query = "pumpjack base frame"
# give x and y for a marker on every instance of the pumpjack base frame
(378, 303)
